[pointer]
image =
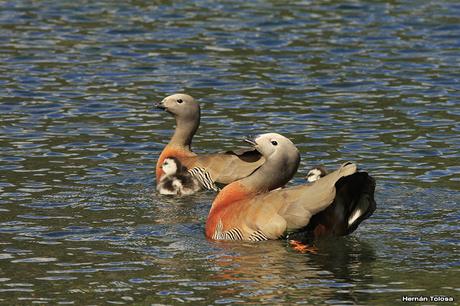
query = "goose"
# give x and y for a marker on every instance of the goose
(208, 169)
(253, 209)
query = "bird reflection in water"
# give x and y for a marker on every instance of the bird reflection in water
(264, 271)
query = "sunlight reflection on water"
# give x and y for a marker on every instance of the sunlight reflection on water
(375, 83)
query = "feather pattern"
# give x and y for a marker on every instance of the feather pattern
(204, 178)
(257, 236)
(231, 234)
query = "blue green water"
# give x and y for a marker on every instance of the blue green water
(375, 82)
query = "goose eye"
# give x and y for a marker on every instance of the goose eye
(179, 101)
(274, 142)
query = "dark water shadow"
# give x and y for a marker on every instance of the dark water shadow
(350, 262)
(347, 258)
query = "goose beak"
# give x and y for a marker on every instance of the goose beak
(251, 140)
(160, 105)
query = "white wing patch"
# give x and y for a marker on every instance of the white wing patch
(356, 214)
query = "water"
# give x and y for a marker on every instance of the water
(80, 223)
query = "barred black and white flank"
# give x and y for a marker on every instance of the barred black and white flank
(258, 236)
(204, 178)
(236, 234)
(231, 234)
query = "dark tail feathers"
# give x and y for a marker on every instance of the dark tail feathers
(354, 202)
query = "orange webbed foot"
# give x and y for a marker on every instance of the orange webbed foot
(303, 248)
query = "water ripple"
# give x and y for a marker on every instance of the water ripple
(375, 83)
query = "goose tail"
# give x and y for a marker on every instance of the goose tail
(353, 203)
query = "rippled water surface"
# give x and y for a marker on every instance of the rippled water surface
(376, 82)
